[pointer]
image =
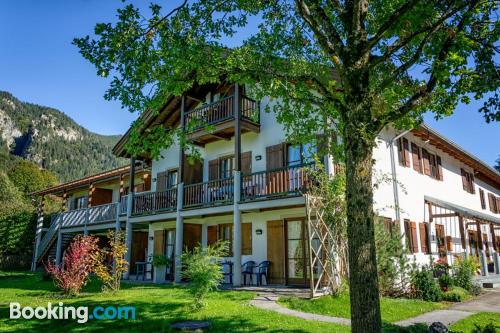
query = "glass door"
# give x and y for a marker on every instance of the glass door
(170, 251)
(297, 252)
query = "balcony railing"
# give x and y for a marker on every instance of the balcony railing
(86, 216)
(214, 192)
(123, 205)
(220, 111)
(155, 202)
(292, 180)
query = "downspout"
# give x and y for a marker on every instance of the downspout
(395, 181)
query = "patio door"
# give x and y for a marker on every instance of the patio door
(170, 250)
(297, 252)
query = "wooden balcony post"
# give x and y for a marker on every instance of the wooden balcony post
(180, 172)
(463, 235)
(179, 232)
(480, 245)
(237, 129)
(91, 192)
(39, 228)
(64, 205)
(128, 224)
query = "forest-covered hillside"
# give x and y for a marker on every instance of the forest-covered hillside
(53, 140)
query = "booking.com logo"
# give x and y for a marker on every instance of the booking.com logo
(81, 313)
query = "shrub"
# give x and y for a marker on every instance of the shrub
(78, 263)
(201, 267)
(464, 271)
(489, 328)
(445, 282)
(160, 260)
(424, 285)
(476, 289)
(110, 275)
(455, 294)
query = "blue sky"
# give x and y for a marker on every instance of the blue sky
(38, 64)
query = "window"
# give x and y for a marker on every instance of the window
(493, 201)
(225, 232)
(80, 202)
(482, 199)
(300, 154)
(172, 178)
(424, 238)
(226, 167)
(416, 157)
(468, 181)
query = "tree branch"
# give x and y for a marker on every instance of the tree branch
(391, 21)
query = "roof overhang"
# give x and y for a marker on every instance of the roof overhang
(466, 212)
(484, 172)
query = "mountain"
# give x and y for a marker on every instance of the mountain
(53, 140)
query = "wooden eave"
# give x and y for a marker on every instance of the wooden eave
(483, 171)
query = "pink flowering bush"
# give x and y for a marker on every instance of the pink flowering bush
(72, 274)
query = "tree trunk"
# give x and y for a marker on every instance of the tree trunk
(363, 280)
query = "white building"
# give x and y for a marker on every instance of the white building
(247, 189)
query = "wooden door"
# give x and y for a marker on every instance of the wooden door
(276, 251)
(192, 236)
(139, 248)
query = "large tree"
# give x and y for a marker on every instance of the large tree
(361, 65)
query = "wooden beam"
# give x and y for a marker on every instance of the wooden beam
(462, 231)
(91, 192)
(431, 215)
(444, 215)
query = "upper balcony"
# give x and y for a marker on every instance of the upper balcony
(217, 120)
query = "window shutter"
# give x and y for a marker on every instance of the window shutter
(408, 235)
(414, 243)
(439, 168)
(492, 203)
(416, 157)
(212, 234)
(246, 238)
(161, 181)
(159, 242)
(406, 147)
(424, 243)
(432, 163)
(275, 156)
(472, 187)
(425, 159)
(481, 199)
(388, 224)
(213, 169)
(498, 205)
(465, 183)
(246, 162)
(449, 243)
(401, 157)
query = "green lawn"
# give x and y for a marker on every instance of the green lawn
(156, 308)
(467, 325)
(393, 309)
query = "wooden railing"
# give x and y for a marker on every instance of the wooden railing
(49, 235)
(292, 180)
(219, 111)
(213, 192)
(123, 204)
(154, 202)
(73, 218)
(102, 213)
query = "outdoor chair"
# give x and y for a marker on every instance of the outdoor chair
(262, 271)
(227, 271)
(247, 269)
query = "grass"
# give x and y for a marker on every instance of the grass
(482, 318)
(156, 308)
(393, 309)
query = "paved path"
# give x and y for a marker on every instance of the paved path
(489, 302)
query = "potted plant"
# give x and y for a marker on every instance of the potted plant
(160, 263)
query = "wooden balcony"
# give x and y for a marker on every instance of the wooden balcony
(282, 182)
(147, 203)
(216, 121)
(211, 193)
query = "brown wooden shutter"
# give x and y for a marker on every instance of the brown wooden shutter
(424, 243)
(212, 234)
(498, 205)
(414, 243)
(213, 169)
(408, 235)
(388, 224)
(246, 162)
(465, 183)
(426, 162)
(492, 202)
(481, 198)
(432, 163)
(416, 157)
(275, 156)
(246, 238)
(440, 237)
(472, 187)
(449, 243)
(406, 147)
(439, 167)
(161, 180)
(159, 242)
